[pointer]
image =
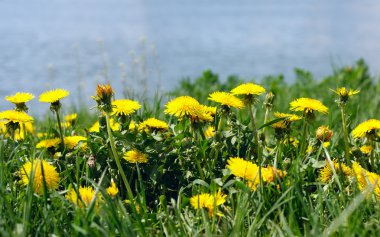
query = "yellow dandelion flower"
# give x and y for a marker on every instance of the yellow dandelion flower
(182, 106)
(72, 141)
(308, 105)
(210, 110)
(65, 124)
(112, 190)
(366, 149)
(124, 107)
(15, 116)
(25, 128)
(54, 142)
(344, 93)
(270, 174)
(248, 89)
(243, 168)
(153, 124)
(53, 96)
(366, 128)
(366, 178)
(20, 97)
(132, 126)
(210, 132)
(71, 117)
(226, 99)
(135, 156)
(326, 173)
(86, 196)
(114, 126)
(42, 172)
(289, 118)
(208, 201)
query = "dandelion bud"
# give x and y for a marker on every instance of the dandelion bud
(269, 98)
(103, 97)
(91, 162)
(324, 134)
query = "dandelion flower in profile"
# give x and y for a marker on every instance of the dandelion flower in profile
(248, 89)
(13, 116)
(135, 156)
(86, 196)
(288, 119)
(326, 173)
(72, 141)
(208, 201)
(153, 124)
(226, 99)
(112, 190)
(96, 127)
(242, 168)
(365, 178)
(124, 107)
(308, 106)
(48, 143)
(34, 168)
(367, 128)
(345, 93)
(182, 106)
(19, 99)
(70, 118)
(53, 96)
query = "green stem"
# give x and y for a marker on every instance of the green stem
(60, 128)
(372, 157)
(345, 135)
(304, 137)
(117, 160)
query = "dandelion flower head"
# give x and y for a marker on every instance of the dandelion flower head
(34, 169)
(366, 149)
(226, 99)
(308, 105)
(326, 173)
(366, 178)
(135, 156)
(71, 117)
(72, 141)
(208, 201)
(153, 124)
(345, 93)
(20, 97)
(124, 107)
(86, 195)
(53, 96)
(112, 190)
(368, 127)
(182, 106)
(248, 89)
(15, 116)
(242, 168)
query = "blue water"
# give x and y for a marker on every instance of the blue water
(151, 43)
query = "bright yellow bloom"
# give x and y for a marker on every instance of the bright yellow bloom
(132, 125)
(86, 196)
(243, 168)
(366, 149)
(53, 95)
(15, 116)
(289, 118)
(308, 105)
(25, 128)
(112, 190)
(210, 132)
(366, 128)
(124, 107)
(366, 178)
(34, 169)
(208, 201)
(72, 141)
(135, 156)
(226, 99)
(182, 106)
(210, 110)
(248, 89)
(153, 124)
(20, 97)
(345, 93)
(114, 126)
(326, 173)
(71, 117)
(54, 142)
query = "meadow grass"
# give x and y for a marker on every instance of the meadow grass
(276, 178)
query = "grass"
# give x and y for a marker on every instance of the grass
(183, 163)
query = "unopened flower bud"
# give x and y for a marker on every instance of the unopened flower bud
(324, 134)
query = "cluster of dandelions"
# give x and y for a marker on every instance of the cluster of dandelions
(41, 175)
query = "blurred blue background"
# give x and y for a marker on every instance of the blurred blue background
(135, 44)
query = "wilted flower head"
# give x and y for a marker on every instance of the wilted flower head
(85, 197)
(153, 124)
(308, 106)
(345, 93)
(103, 97)
(135, 156)
(124, 107)
(365, 178)
(367, 128)
(226, 99)
(42, 172)
(323, 133)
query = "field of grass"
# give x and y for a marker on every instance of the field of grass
(198, 163)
